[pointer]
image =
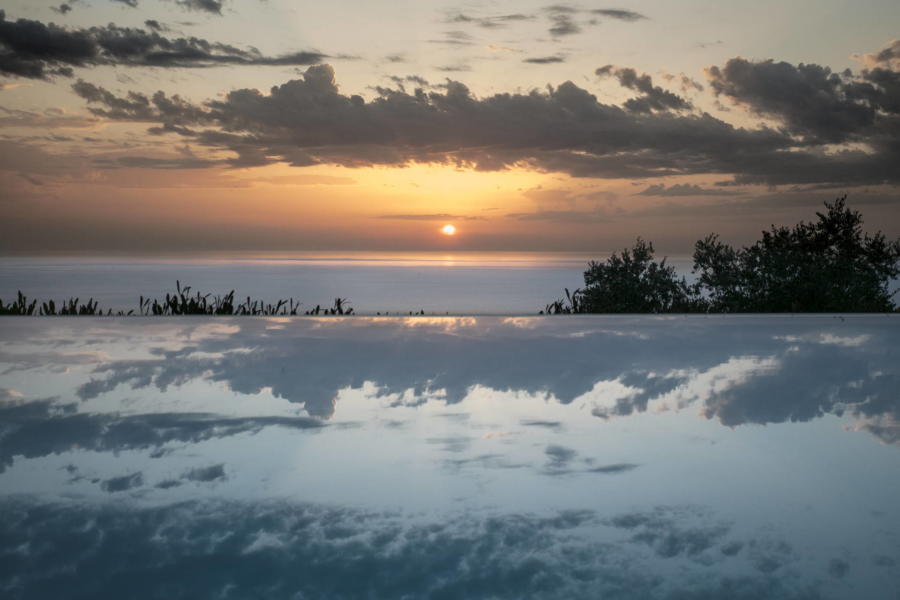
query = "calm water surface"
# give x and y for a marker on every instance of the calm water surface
(584, 457)
(459, 283)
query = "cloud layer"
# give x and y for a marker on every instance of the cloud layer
(566, 129)
(36, 50)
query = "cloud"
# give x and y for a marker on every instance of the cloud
(562, 25)
(430, 217)
(619, 14)
(813, 102)
(455, 38)
(155, 25)
(673, 531)
(401, 82)
(563, 129)
(888, 57)
(736, 378)
(460, 68)
(564, 216)
(207, 474)
(684, 189)
(34, 50)
(614, 469)
(44, 427)
(207, 6)
(52, 118)
(210, 6)
(654, 98)
(491, 22)
(199, 548)
(545, 60)
(559, 457)
(123, 483)
(153, 162)
(308, 121)
(9, 394)
(564, 18)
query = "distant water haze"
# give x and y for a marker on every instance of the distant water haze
(455, 283)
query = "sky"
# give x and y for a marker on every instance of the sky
(184, 125)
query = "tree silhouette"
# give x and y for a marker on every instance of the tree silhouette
(825, 266)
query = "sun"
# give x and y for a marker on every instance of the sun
(448, 230)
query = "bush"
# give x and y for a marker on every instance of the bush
(630, 283)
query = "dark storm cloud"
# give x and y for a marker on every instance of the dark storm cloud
(39, 51)
(62, 8)
(654, 98)
(545, 60)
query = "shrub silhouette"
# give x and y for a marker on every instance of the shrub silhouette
(630, 283)
(825, 266)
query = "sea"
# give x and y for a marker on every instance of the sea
(395, 283)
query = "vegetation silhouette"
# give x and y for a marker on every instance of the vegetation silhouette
(182, 302)
(828, 265)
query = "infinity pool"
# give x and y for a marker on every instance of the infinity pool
(486, 457)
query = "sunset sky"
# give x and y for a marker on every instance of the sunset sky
(175, 125)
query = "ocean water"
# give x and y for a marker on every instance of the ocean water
(461, 283)
(688, 457)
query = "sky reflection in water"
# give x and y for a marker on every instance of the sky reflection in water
(699, 457)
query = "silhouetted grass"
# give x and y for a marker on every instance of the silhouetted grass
(182, 302)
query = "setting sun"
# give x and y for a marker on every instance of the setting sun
(448, 230)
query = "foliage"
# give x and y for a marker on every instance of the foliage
(630, 283)
(179, 303)
(825, 266)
